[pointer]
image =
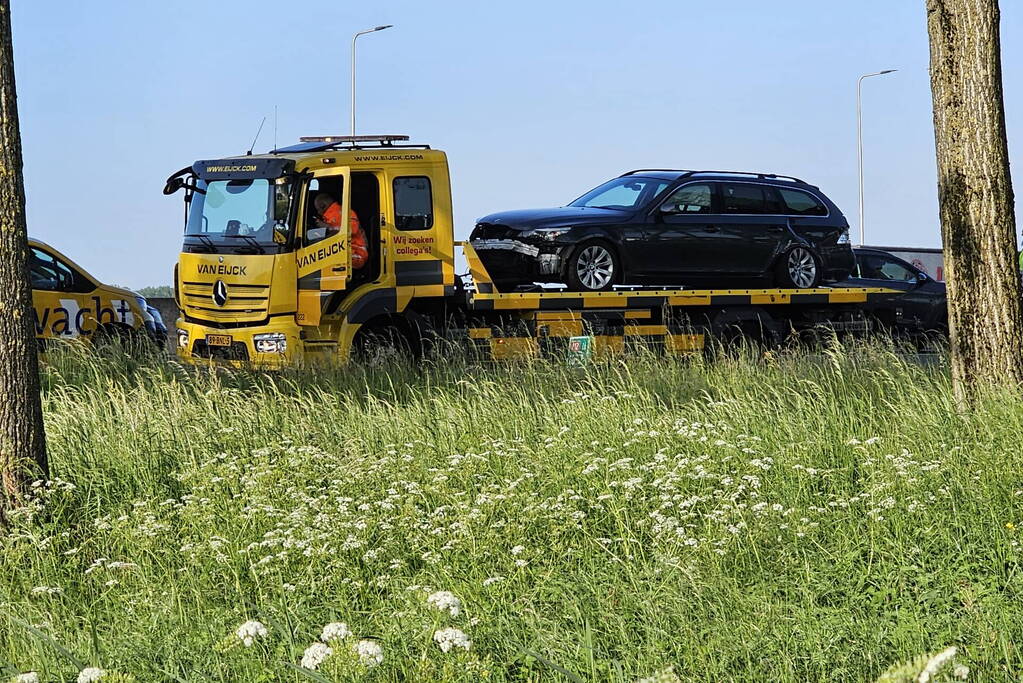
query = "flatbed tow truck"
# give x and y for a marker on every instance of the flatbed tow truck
(257, 284)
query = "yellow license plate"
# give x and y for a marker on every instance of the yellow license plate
(218, 340)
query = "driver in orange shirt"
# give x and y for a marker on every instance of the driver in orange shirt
(329, 217)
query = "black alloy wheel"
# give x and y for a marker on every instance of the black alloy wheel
(593, 267)
(798, 268)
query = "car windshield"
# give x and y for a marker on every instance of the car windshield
(228, 212)
(624, 194)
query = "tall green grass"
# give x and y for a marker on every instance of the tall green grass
(796, 516)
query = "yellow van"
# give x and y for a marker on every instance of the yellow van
(69, 303)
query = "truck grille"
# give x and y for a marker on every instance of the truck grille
(236, 351)
(245, 303)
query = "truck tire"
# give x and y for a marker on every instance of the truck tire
(798, 268)
(593, 266)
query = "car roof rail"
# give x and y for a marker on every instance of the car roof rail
(644, 170)
(752, 174)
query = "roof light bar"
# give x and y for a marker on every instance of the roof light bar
(352, 139)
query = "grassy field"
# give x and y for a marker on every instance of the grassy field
(796, 517)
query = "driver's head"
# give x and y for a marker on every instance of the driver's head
(322, 202)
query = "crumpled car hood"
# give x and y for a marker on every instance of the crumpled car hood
(554, 217)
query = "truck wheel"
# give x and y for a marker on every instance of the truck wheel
(593, 267)
(798, 268)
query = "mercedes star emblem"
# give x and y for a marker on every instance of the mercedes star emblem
(220, 293)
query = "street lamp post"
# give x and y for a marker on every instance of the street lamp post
(859, 139)
(354, 38)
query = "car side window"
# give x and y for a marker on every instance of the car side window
(692, 198)
(746, 198)
(877, 267)
(799, 203)
(48, 273)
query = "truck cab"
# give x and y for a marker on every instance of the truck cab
(263, 277)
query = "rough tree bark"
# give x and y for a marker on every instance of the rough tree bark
(22, 440)
(975, 195)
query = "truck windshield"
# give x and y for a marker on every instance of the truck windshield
(236, 213)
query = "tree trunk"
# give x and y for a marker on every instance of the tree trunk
(978, 225)
(22, 440)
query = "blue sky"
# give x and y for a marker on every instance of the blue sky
(535, 102)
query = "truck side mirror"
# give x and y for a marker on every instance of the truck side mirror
(173, 185)
(280, 233)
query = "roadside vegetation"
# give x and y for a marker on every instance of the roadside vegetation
(800, 516)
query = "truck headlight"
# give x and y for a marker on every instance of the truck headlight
(270, 342)
(182, 338)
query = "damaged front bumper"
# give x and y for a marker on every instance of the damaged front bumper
(510, 259)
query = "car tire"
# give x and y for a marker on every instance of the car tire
(593, 266)
(798, 268)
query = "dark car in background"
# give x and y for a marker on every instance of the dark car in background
(922, 308)
(670, 227)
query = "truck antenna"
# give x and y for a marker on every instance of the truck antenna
(260, 130)
(275, 126)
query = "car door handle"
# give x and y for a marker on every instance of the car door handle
(776, 228)
(712, 228)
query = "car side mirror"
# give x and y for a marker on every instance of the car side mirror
(668, 208)
(922, 278)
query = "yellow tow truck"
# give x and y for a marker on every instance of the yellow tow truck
(261, 281)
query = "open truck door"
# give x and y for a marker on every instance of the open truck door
(324, 258)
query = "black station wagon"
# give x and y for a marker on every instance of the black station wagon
(662, 227)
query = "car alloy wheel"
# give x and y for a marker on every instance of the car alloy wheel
(595, 267)
(802, 267)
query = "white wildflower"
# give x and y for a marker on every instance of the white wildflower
(335, 630)
(249, 631)
(492, 580)
(122, 565)
(664, 676)
(935, 663)
(315, 654)
(448, 638)
(445, 601)
(90, 674)
(30, 677)
(518, 549)
(47, 590)
(369, 651)
(961, 672)
(521, 563)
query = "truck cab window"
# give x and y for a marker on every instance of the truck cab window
(323, 192)
(413, 203)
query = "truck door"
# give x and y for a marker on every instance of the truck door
(324, 258)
